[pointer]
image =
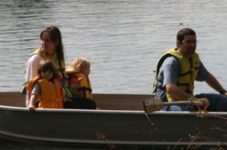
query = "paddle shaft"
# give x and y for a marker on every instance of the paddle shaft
(155, 105)
(177, 103)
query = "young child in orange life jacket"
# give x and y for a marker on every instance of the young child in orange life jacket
(79, 82)
(45, 91)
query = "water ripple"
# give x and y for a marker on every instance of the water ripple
(122, 38)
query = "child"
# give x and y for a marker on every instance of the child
(45, 91)
(78, 74)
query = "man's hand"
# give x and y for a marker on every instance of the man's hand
(224, 93)
(202, 103)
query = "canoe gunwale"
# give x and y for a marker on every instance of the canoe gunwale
(105, 111)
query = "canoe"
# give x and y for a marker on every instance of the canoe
(119, 121)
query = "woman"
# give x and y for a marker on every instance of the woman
(51, 49)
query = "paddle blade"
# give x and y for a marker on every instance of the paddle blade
(152, 105)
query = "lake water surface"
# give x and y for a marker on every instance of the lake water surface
(123, 39)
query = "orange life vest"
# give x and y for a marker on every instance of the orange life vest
(51, 93)
(82, 81)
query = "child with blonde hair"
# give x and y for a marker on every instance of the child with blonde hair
(78, 78)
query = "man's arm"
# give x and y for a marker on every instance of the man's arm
(180, 95)
(205, 75)
(176, 92)
(170, 72)
(213, 82)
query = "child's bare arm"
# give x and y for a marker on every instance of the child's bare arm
(32, 102)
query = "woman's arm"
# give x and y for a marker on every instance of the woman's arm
(32, 66)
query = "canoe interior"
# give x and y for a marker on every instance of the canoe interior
(103, 101)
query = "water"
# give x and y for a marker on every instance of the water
(123, 39)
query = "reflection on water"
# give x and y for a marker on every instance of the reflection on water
(122, 38)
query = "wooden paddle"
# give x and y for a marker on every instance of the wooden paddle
(156, 105)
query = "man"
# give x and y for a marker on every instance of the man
(178, 69)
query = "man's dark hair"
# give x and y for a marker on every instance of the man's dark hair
(184, 32)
